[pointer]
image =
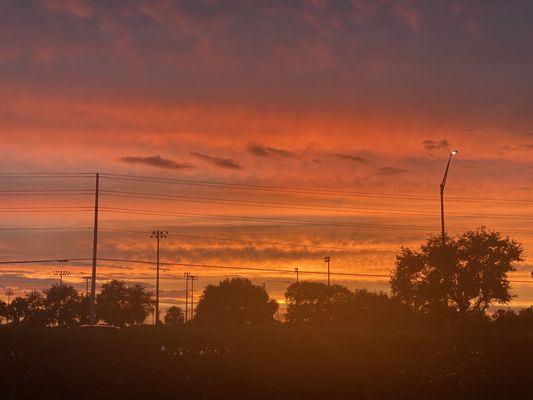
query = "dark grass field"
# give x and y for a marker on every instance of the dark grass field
(263, 363)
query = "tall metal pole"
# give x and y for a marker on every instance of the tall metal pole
(87, 280)
(327, 259)
(297, 277)
(443, 232)
(60, 273)
(9, 293)
(92, 310)
(186, 275)
(157, 284)
(192, 278)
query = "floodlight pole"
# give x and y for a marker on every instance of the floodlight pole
(192, 278)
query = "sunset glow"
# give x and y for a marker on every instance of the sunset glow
(259, 134)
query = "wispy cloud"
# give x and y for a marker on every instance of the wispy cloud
(156, 161)
(348, 157)
(271, 152)
(431, 145)
(390, 171)
(220, 162)
(520, 147)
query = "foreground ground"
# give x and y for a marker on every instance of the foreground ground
(269, 363)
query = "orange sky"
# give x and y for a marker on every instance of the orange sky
(359, 96)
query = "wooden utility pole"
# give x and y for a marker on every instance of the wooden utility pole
(158, 235)
(92, 309)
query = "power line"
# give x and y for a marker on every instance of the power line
(247, 268)
(45, 261)
(282, 220)
(230, 185)
(48, 174)
(230, 267)
(209, 200)
(44, 228)
(301, 190)
(251, 219)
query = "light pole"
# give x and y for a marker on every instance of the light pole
(9, 293)
(297, 275)
(87, 280)
(187, 276)
(326, 260)
(158, 235)
(192, 278)
(442, 187)
(60, 273)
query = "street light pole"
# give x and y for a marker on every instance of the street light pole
(442, 187)
(326, 260)
(443, 231)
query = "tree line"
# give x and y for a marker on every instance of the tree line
(458, 280)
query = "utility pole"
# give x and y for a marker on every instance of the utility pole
(187, 276)
(158, 235)
(326, 260)
(297, 275)
(192, 278)
(60, 273)
(92, 309)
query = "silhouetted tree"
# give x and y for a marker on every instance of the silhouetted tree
(174, 316)
(64, 305)
(468, 274)
(509, 320)
(235, 301)
(29, 310)
(121, 305)
(313, 303)
(3, 311)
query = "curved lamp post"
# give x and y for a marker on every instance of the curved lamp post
(442, 187)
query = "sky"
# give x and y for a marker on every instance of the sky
(360, 101)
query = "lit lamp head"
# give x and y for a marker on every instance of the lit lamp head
(454, 152)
